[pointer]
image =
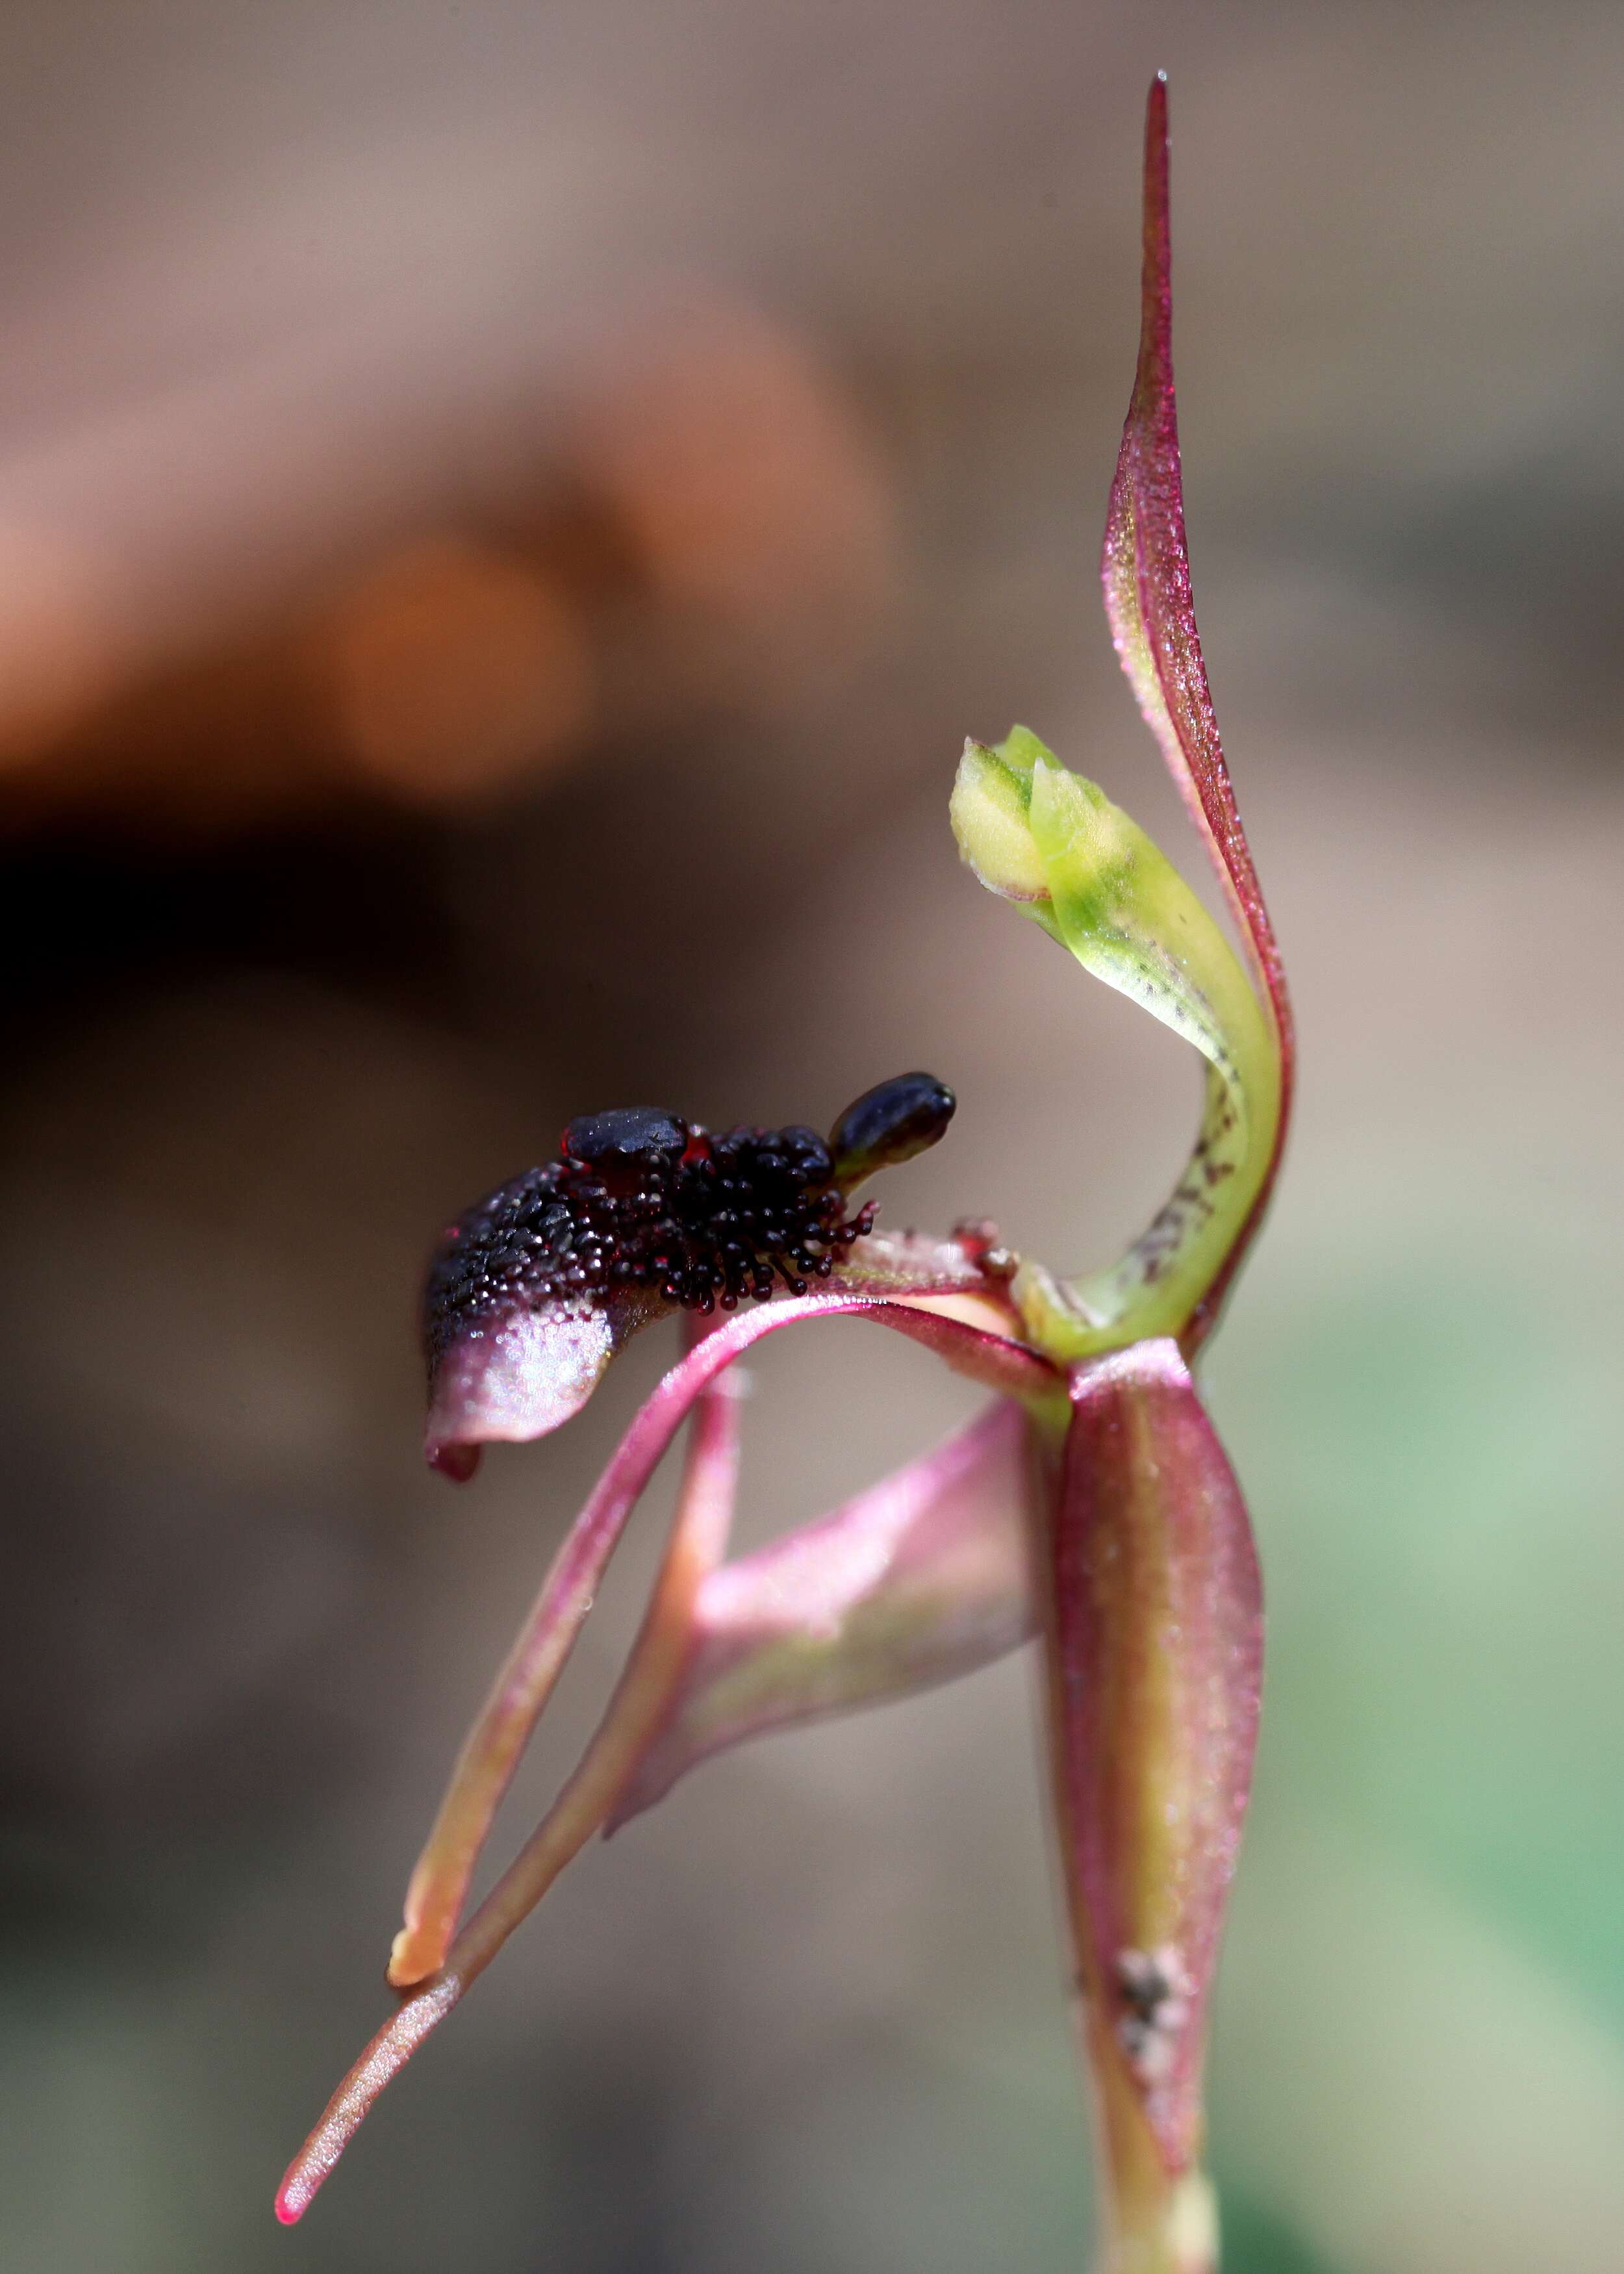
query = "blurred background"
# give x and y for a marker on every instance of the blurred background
(507, 515)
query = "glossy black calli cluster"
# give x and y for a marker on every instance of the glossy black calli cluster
(639, 1201)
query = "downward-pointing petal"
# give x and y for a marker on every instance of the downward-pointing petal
(924, 1577)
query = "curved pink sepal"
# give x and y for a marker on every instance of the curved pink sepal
(1155, 1645)
(924, 1577)
(1145, 568)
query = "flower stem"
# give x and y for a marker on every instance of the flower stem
(1151, 2221)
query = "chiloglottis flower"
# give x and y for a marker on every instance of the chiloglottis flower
(1089, 1508)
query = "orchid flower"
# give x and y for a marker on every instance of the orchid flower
(1090, 1506)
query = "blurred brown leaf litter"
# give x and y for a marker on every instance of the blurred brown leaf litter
(706, 521)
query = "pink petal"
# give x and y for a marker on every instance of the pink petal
(1145, 567)
(1156, 1657)
(924, 1577)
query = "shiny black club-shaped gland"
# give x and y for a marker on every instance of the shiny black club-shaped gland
(889, 1124)
(625, 1139)
(640, 1204)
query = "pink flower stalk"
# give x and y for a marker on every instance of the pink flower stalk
(1090, 1505)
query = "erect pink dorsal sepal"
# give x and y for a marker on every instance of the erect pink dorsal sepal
(1145, 567)
(1155, 1637)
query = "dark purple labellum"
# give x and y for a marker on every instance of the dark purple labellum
(889, 1123)
(641, 1202)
